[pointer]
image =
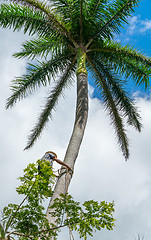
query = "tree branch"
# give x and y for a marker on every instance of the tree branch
(19, 207)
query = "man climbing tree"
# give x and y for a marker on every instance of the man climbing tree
(51, 157)
(76, 37)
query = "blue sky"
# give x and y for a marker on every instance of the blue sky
(138, 35)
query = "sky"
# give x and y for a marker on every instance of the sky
(101, 172)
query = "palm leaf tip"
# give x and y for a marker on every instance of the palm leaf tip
(125, 149)
(31, 141)
(11, 101)
(136, 123)
(36, 131)
(121, 134)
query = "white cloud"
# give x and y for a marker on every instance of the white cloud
(146, 25)
(100, 172)
(133, 24)
(136, 26)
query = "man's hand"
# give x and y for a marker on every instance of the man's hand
(62, 163)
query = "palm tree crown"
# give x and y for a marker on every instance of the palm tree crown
(76, 37)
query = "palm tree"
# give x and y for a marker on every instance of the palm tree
(76, 38)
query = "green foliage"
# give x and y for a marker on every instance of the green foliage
(17, 17)
(84, 219)
(37, 186)
(51, 103)
(41, 47)
(38, 75)
(28, 220)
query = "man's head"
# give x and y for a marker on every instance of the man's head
(51, 154)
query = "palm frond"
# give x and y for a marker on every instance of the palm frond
(67, 9)
(37, 75)
(81, 21)
(112, 109)
(44, 7)
(41, 47)
(92, 7)
(93, 10)
(122, 51)
(75, 19)
(72, 13)
(127, 62)
(124, 103)
(21, 17)
(38, 5)
(132, 69)
(115, 15)
(51, 103)
(140, 74)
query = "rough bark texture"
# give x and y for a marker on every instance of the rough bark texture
(77, 134)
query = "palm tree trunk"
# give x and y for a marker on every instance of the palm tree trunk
(78, 130)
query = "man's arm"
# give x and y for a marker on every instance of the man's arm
(62, 163)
